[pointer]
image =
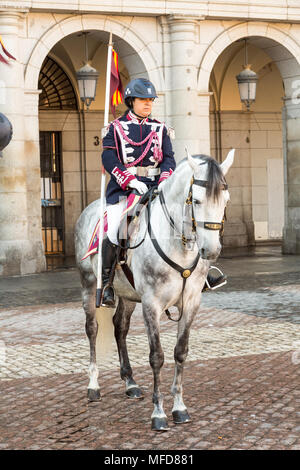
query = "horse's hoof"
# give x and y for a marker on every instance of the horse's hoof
(180, 417)
(94, 395)
(134, 392)
(159, 424)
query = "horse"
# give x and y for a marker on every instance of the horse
(179, 237)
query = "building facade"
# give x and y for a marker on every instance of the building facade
(192, 52)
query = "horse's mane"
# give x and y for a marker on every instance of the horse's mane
(215, 178)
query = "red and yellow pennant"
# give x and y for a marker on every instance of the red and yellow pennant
(116, 97)
(116, 87)
(3, 59)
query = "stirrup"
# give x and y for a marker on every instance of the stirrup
(222, 278)
(103, 304)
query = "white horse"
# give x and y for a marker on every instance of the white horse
(187, 213)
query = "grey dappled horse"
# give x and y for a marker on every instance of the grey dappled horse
(196, 190)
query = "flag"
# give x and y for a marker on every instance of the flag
(116, 87)
(3, 59)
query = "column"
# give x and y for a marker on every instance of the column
(291, 156)
(190, 110)
(19, 254)
(35, 261)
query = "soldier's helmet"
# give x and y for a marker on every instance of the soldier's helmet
(5, 132)
(139, 88)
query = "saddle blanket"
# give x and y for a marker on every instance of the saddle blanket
(131, 202)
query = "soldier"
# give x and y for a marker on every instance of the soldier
(137, 153)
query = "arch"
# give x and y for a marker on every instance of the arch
(57, 89)
(254, 29)
(144, 57)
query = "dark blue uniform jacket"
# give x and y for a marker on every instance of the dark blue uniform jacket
(136, 130)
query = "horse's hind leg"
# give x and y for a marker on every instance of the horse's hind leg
(88, 282)
(179, 411)
(121, 321)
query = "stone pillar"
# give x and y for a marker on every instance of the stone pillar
(19, 253)
(291, 155)
(190, 110)
(37, 262)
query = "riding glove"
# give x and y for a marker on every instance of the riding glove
(138, 185)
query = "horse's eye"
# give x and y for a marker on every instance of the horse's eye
(198, 203)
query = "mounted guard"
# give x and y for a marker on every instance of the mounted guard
(166, 274)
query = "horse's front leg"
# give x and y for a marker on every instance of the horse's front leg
(156, 358)
(121, 321)
(179, 411)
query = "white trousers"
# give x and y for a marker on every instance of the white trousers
(114, 213)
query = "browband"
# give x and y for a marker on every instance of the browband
(204, 184)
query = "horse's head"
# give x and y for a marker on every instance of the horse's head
(208, 197)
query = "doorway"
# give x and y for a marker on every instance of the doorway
(52, 197)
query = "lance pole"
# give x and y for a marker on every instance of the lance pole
(102, 196)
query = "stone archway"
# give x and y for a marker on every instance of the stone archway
(289, 49)
(139, 60)
(281, 46)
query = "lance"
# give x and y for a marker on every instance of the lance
(102, 196)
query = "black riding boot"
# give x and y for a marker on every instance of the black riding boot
(109, 252)
(213, 282)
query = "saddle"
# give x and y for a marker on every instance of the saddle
(128, 228)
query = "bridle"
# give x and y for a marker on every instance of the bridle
(189, 201)
(189, 205)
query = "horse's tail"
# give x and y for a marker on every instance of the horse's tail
(105, 344)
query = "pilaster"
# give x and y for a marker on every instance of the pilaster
(291, 155)
(19, 252)
(190, 110)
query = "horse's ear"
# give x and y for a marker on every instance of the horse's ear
(227, 162)
(191, 161)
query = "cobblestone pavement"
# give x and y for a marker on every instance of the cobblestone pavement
(241, 380)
